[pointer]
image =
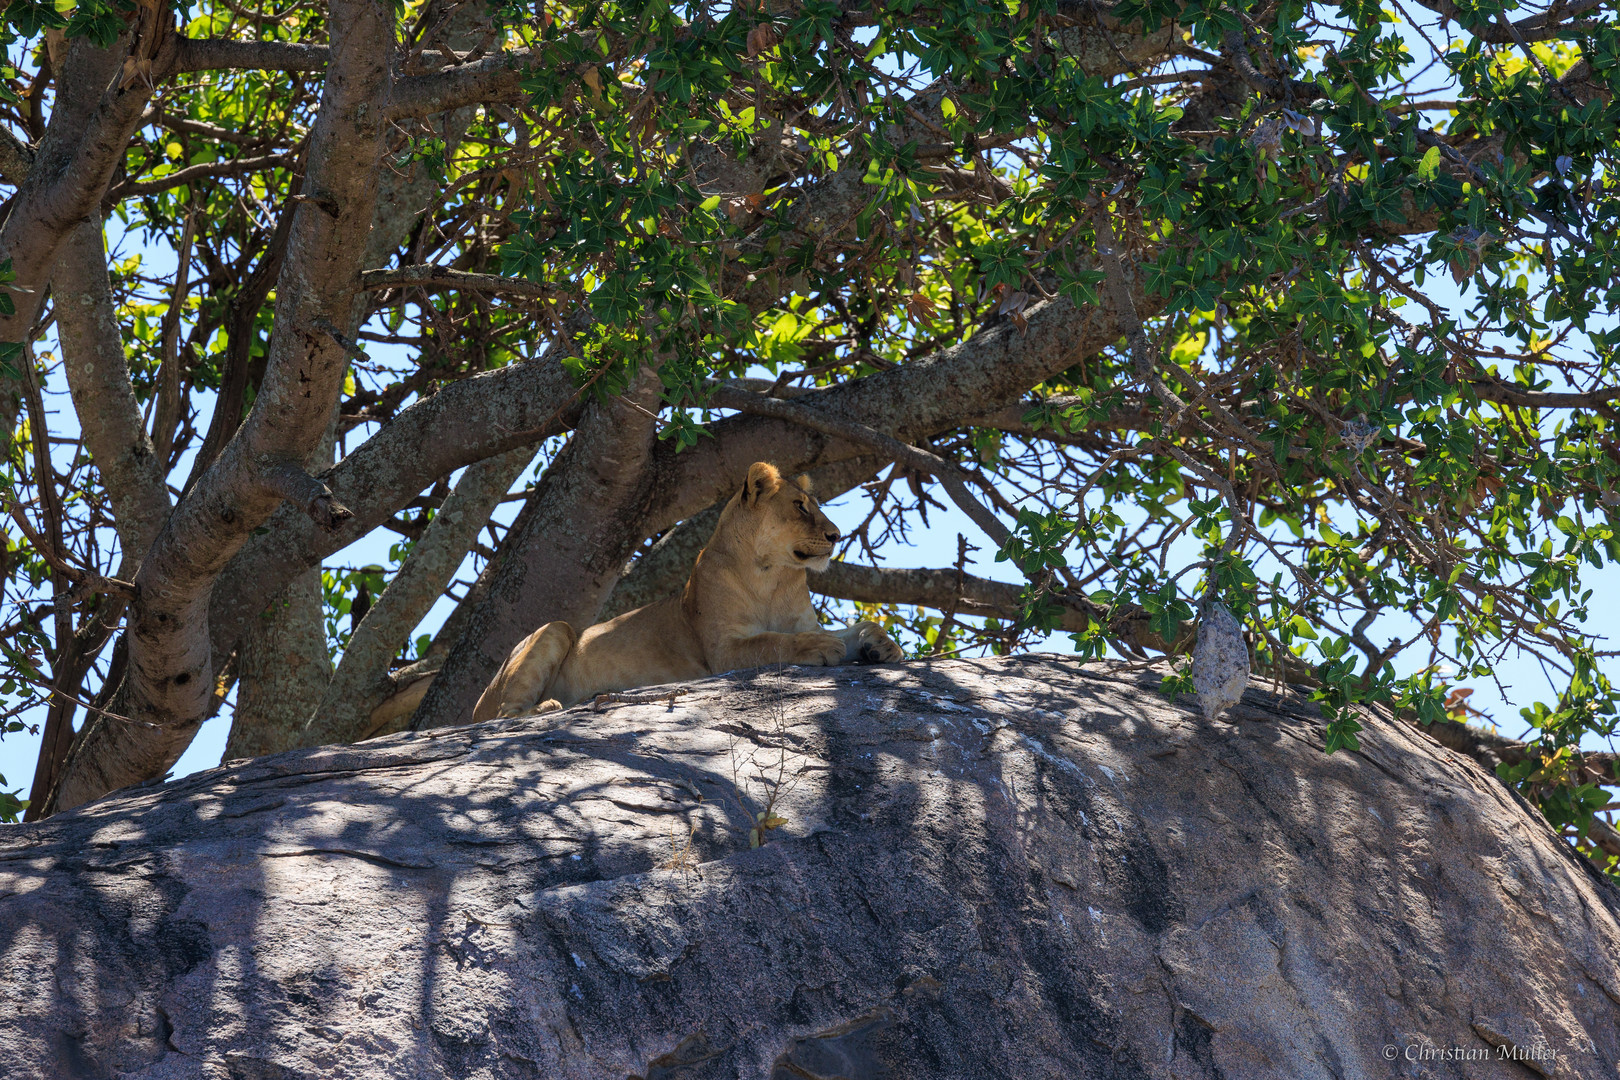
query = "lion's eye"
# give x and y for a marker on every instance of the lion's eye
(804, 508)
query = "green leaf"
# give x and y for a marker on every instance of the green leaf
(1430, 165)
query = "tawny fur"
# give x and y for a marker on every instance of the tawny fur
(746, 605)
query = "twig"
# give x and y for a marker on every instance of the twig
(209, 170)
(602, 701)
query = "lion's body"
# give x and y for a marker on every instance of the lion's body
(649, 645)
(746, 604)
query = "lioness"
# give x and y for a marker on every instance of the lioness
(746, 605)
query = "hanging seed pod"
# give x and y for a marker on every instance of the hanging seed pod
(1220, 668)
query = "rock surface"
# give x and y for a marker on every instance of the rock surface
(1022, 868)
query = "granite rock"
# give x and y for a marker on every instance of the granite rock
(1024, 868)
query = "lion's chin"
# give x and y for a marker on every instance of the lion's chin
(816, 563)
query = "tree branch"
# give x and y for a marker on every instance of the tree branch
(83, 145)
(586, 516)
(209, 170)
(226, 54)
(1555, 22)
(950, 476)
(949, 589)
(461, 425)
(994, 368)
(362, 682)
(494, 78)
(1505, 393)
(103, 397)
(16, 158)
(289, 480)
(443, 278)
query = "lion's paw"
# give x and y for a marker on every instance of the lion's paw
(876, 647)
(514, 712)
(818, 649)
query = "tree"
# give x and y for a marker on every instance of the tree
(1108, 278)
(1007, 867)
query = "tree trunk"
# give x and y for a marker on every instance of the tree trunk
(1019, 868)
(284, 669)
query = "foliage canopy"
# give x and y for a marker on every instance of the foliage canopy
(1304, 307)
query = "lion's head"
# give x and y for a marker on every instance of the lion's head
(786, 524)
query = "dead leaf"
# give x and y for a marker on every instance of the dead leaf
(762, 37)
(920, 307)
(1471, 244)
(1013, 304)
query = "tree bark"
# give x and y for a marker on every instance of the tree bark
(132, 472)
(103, 398)
(992, 369)
(1024, 867)
(459, 426)
(282, 670)
(95, 114)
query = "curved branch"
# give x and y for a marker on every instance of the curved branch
(950, 476)
(208, 170)
(994, 368)
(361, 680)
(89, 130)
(461, 425)
(559, 562)
(103, 398)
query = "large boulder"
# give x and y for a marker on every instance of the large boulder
(1021, 868)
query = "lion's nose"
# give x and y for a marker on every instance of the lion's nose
(834, 536)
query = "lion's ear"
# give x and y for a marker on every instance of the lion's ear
(805, 484)
(763, 482)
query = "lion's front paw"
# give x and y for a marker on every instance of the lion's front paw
(875, 646)
(818, 649)
(516, 711)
